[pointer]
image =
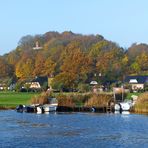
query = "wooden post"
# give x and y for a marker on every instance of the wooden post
(114, 94)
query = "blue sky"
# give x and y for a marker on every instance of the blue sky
(122, 21)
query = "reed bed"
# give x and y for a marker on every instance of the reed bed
(40, 99)
(99, 100)
(141, 105)
(72, 100)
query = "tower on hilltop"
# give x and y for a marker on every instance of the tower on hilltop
(37, 46)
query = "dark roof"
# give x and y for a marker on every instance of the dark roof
(41, 79)
(140, 79)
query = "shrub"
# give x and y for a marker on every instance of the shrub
(99, 100)
(56, 84)
(84, 88)
(18, 86)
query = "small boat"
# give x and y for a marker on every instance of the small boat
(40, 109)
(123, 106)
(49, 107)
(23, 108)
(20, 108)
(117, 107)
(46, 108)
(29, 109)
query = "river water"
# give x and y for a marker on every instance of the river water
(72, 130)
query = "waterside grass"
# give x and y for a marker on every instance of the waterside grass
(73, 99)
(9, 100)
(84, 99)
(141, 105)
(40, 99)
(99, 100)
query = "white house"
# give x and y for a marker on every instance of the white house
(137, 82)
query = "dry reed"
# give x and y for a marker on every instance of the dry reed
(99, 100)
(41, 99)
(141, 105)
(64, 100)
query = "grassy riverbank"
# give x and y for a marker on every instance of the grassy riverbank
(12, 99)
(9, 100)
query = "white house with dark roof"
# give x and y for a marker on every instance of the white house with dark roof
(137, 82)
(38, 82)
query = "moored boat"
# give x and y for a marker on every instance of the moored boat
(49, 107)
(123, 106)
(23, 108)
(40, 109)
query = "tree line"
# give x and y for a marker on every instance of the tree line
(73, 59)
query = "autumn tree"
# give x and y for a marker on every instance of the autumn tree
(26, 42)
(24, 68)
(49, 67)
(136, 49)
(109, 63)
(13, 57)
(142, 60)
(140, 64)
(75, 68)
(95, 49)
(39, 65)
(6, 69)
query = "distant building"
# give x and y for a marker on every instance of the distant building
(37, 46)
(38, 82)
(93, 82)
(137, 82)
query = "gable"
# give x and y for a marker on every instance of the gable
(41, 80)
(136, 79)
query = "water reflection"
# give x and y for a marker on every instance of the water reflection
(123, 112)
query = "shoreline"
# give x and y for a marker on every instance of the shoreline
(7, 108)
(81, 109)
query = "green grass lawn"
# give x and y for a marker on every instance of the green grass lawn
(12, 99)
(130, 94)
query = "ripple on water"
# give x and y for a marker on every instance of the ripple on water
(73, 130)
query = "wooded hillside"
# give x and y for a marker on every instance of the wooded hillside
(73, 59)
